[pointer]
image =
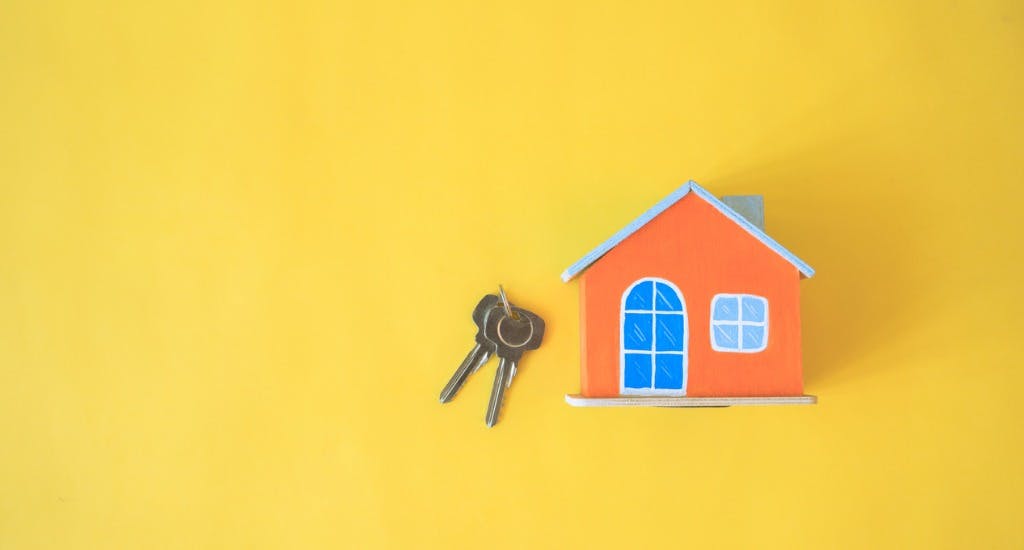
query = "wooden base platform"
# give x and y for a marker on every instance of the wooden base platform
(656, 401)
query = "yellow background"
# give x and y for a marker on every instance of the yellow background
(240, 241)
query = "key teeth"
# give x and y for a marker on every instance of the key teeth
(480, 361)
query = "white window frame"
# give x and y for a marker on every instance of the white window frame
(623, 390)
(739, 323)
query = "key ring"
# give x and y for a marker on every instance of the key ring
(506, 305)
(514, 344)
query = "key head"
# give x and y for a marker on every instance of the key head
(480, 312)
(514, 336)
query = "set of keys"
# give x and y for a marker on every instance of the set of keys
(503, 330)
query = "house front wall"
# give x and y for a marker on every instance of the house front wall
(703, 253)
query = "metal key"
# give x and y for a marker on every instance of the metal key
(514, 331)
(477, 356)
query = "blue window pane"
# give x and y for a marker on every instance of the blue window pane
(669, 332)
(653, 338)
(753, 308)
(636, 331)
(726, 309)
(668, 371)
(640, 296)
(726, 336)
(638, 370)
(666, 299)
(753, 337)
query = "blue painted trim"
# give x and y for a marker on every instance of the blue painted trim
(662, 205)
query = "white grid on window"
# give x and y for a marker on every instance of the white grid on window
(739, 323)
(654, 351)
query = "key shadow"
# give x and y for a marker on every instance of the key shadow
(862, 246)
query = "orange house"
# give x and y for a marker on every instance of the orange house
(691, 304)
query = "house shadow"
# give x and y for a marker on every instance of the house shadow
(844, 212)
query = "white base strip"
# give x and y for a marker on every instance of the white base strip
(655, 401)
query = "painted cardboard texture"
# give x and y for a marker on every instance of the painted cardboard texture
(703, 253)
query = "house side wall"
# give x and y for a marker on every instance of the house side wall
(703, 253)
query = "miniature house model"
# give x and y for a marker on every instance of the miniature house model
(691, 304)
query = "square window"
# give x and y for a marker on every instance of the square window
(668, 371)
(669, 334)
(726, 337)
(637, 372)
(753, 338)
(753, 308)
(739, 323)
(726, 308)
(636, 332)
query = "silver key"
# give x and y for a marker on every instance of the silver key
(481, 352)
(514, 331)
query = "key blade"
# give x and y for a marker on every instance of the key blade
(476, 357)
(501, 383)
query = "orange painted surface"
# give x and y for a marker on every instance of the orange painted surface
(704, 253)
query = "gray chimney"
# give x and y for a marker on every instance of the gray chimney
(750, 207)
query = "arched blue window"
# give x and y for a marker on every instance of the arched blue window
(654, 339)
